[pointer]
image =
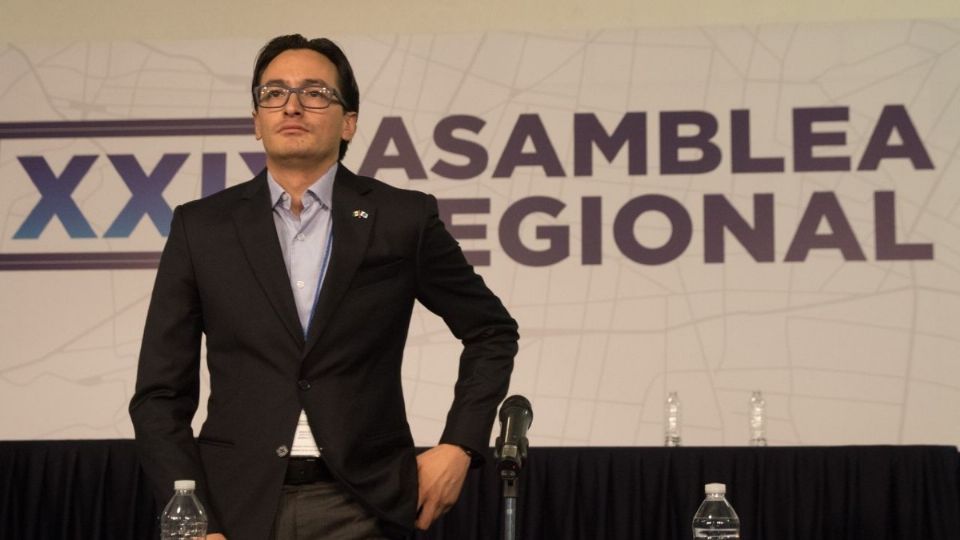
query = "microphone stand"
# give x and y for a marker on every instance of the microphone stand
(511, 456)
(509, 490)
(516, 415)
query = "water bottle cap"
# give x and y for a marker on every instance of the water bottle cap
(184, 484)
(715, 489)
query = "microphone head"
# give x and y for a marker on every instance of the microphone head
(516, 415)
(516, 401)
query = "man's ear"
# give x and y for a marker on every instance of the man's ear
(349, 126)
(256, 125)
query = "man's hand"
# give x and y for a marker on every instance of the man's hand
(216, 536)
(441, 470)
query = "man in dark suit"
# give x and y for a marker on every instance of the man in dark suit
(303, 281)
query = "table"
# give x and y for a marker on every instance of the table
(95, 489)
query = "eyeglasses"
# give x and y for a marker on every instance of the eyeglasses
(274, 96)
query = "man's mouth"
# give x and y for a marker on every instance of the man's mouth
(292, 128)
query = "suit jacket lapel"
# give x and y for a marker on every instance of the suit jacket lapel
(258, 236)
(352, 216)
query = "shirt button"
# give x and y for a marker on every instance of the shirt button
(303, 384)
(282, 450)
(300, 284)
(301, 237)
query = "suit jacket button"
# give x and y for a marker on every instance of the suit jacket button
(282, 450)
(303, 384)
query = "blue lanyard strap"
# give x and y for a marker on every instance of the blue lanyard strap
(323, 272)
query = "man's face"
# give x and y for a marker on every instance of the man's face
(293, 135)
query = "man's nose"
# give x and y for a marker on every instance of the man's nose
(293, 106)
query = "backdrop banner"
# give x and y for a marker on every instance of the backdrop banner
(710, 211)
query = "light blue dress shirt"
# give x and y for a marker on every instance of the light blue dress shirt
(304, 238)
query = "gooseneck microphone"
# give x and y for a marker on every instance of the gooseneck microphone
(516, 415)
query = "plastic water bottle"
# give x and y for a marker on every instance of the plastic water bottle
(183, 518)
(758, 420)
(716, 519)
(671, 421)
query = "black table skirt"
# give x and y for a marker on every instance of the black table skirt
(95, 490)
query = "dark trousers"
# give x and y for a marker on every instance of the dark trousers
(322, 510)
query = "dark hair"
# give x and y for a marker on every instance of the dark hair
(347, 83)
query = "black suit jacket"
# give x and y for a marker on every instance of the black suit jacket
(222, 276)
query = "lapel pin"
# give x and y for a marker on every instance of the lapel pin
(360, 214)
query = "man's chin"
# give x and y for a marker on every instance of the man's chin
(300, 158)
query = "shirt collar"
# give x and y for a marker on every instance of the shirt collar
(321, 190)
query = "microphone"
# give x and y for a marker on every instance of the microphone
(516, 415)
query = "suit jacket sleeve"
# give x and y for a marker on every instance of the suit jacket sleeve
(449, 287)
(168, 378)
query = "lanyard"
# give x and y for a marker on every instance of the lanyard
(323, 272)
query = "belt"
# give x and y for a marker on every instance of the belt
(308, 470)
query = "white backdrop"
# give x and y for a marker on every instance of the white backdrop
(846, 351)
